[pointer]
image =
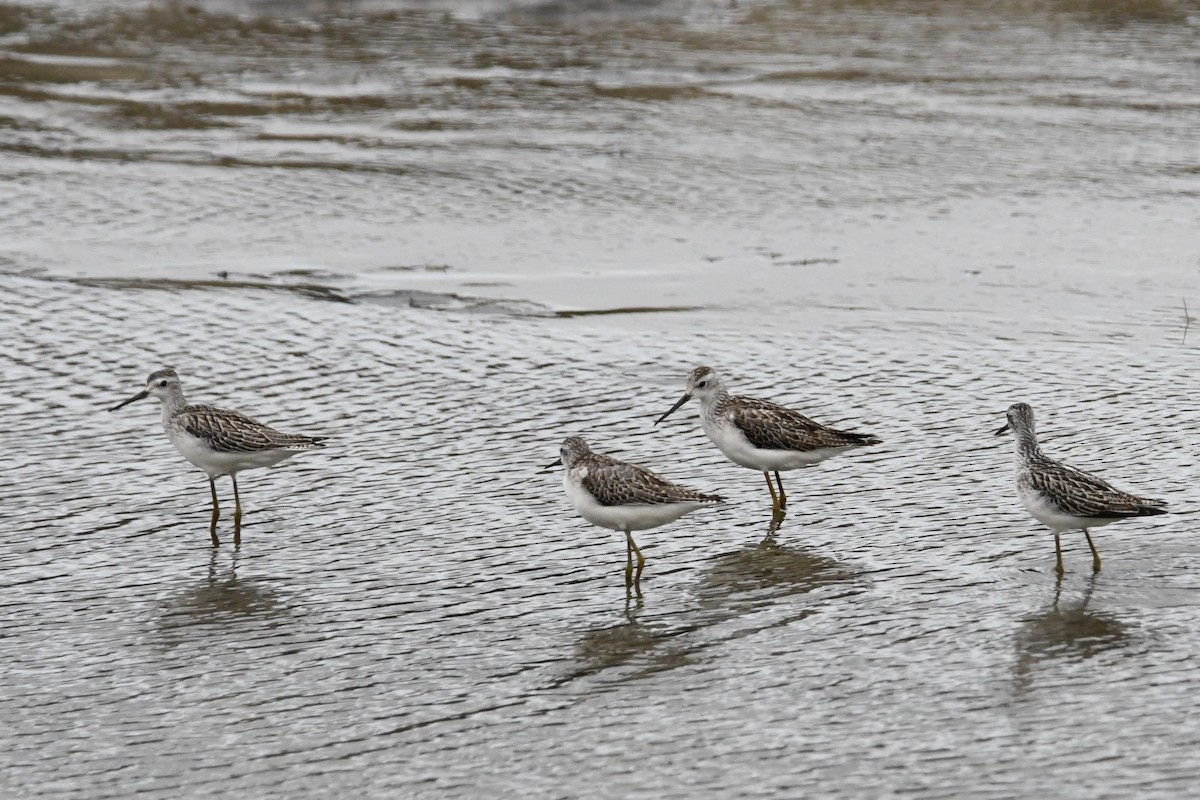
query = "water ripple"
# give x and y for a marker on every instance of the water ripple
(420, 591)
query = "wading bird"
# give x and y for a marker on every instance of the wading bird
(1064, 498)
(218, 441)
(623, 497)
(761, 435)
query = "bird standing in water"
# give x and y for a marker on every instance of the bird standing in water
(761, 435)
(218, 441)
(623, 497)
(1064, 498)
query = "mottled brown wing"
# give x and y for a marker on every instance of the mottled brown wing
(615, 483)
(231, 432)
(768, 426)
(1083, 495)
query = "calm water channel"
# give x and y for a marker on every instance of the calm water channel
(448, 235)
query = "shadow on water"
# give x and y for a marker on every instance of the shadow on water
(611, 646)
(1066, 631)
(633, 648)
(219, 599)
(769, 570)
(734, 587)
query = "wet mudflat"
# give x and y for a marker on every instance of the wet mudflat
(848, 214)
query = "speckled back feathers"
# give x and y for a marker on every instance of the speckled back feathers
(1079, 494)
(613, 482)
(231, 432)
(769, 426)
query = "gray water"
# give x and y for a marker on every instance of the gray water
(447, 241)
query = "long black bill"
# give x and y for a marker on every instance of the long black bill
(557, 463)
(1005, 428)
(682, 400)
(139, 396)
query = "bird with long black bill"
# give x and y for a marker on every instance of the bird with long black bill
(762, 435)
(218, 441)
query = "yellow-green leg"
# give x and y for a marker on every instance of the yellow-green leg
(1095, 555)
(628, 560)
(212, 526)
(1058, 550)
(775, 507)
(631, 546)
(237, 514)
(782, 496)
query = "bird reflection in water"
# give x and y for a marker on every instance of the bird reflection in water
(770, 569)
(219, 599)
(614, 645)
(777, 517)
(736, 585)
(1066, 631)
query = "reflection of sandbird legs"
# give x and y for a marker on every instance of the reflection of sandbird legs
(633, 603)
(1091, 587)
(777, 518)
(1087, 593)
(1065, 627)
(1058, 584)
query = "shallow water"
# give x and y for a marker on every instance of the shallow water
(396, 231)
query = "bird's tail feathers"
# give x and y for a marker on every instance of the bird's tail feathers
(1150, 508)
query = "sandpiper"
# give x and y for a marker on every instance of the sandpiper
(623, 497)
(1064, 498)
(218, 441)
(761, 435)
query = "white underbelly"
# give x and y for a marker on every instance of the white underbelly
(733, 443)
(627, 517)
(216, 463)
(1046, 512)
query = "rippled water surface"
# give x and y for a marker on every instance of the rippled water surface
(447, 236)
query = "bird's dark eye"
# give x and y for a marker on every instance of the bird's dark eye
(702, 384)
(162, 383)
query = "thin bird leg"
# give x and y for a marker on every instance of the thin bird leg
(630, 582)
(641, 561)
(775, 507)
(1095, 555)
(782, 496)
(1058, 551)
(212, 527)
(237, 514)
(628, 560)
